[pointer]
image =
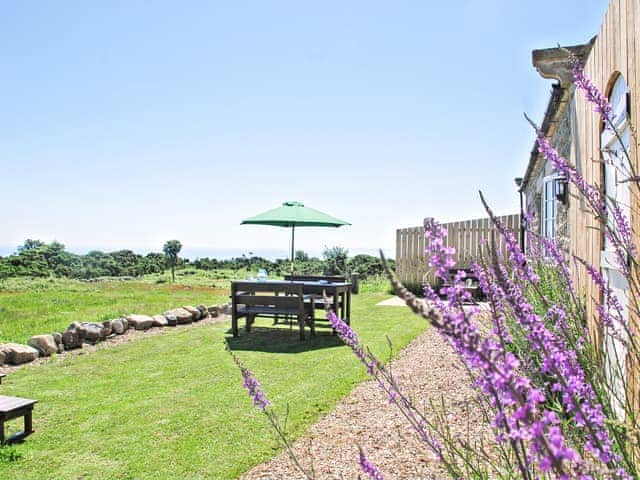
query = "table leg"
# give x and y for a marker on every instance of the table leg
(234, 322)
(1, 432)
(349, 307)
(28, 423)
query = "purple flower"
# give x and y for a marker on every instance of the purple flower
(561, 165)
(255, 390)
(518, 405)
(369, 468)
(251, 383)
(591, 92)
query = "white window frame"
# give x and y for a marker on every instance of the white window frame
(551, 232)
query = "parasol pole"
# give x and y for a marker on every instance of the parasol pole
(293, 234)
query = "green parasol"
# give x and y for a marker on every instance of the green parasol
(294, 214)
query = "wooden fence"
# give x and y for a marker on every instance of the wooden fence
(468, 237)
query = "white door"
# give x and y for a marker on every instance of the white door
(616, 170)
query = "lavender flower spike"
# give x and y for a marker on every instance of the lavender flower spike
(368, 467)
(252, 384)
(591, 92)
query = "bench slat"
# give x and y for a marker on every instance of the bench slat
(275, 301)
(8, 404)
(268, 310)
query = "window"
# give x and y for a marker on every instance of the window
(616, 164)
(549, 208)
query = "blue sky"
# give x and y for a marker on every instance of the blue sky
(128, 123)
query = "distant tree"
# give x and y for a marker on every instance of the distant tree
(301, 256)
(30, 244)
(335, 260)
(171, 250)
(366, 265)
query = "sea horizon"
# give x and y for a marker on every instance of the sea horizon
(218, 253)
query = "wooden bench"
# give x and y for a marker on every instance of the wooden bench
(317, 300)
(2, 375)
(14, 407)
(470, 283)
(268, 299)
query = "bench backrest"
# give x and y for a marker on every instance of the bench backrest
(278, 296)
(316, 278)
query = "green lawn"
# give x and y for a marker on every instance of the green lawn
(173, 406)
(30, 307)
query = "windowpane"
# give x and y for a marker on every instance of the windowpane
(549, 208)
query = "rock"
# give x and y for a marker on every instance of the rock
(183, 316)
(108, 326)
(92, 332)
(195, 313)
(203, 310)
(117, 326)
(213, 310)
(57, 337)
(140, 322)
(71, 337)
(226, 309)
(16, 354)
(125, 323)
(159, 321)
(45, 344)
(172, 320)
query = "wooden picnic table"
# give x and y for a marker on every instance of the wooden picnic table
(14, 407)
(248, 299)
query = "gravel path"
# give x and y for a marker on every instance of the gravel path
(426, 369)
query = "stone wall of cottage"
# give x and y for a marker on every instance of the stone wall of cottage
(561, 140)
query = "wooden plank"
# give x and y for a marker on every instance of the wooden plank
(452, 233)
(468, 246)
(488, 234)
(414, 255)
(476, 239)
(418, 260)
(622, 37)
(421, 248)
(398, 246)
(8, 404)
(613, 25)
(404, 256)
(462, 232)
(421, 256)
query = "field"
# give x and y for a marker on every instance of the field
(172, 405)
(30, 307)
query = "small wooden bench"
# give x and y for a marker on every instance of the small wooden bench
(317, 300)
(2, 375)
(470, 283)
(14, 407)
(268, 299)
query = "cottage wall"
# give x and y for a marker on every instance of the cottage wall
(614, 52)
(561, 137)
